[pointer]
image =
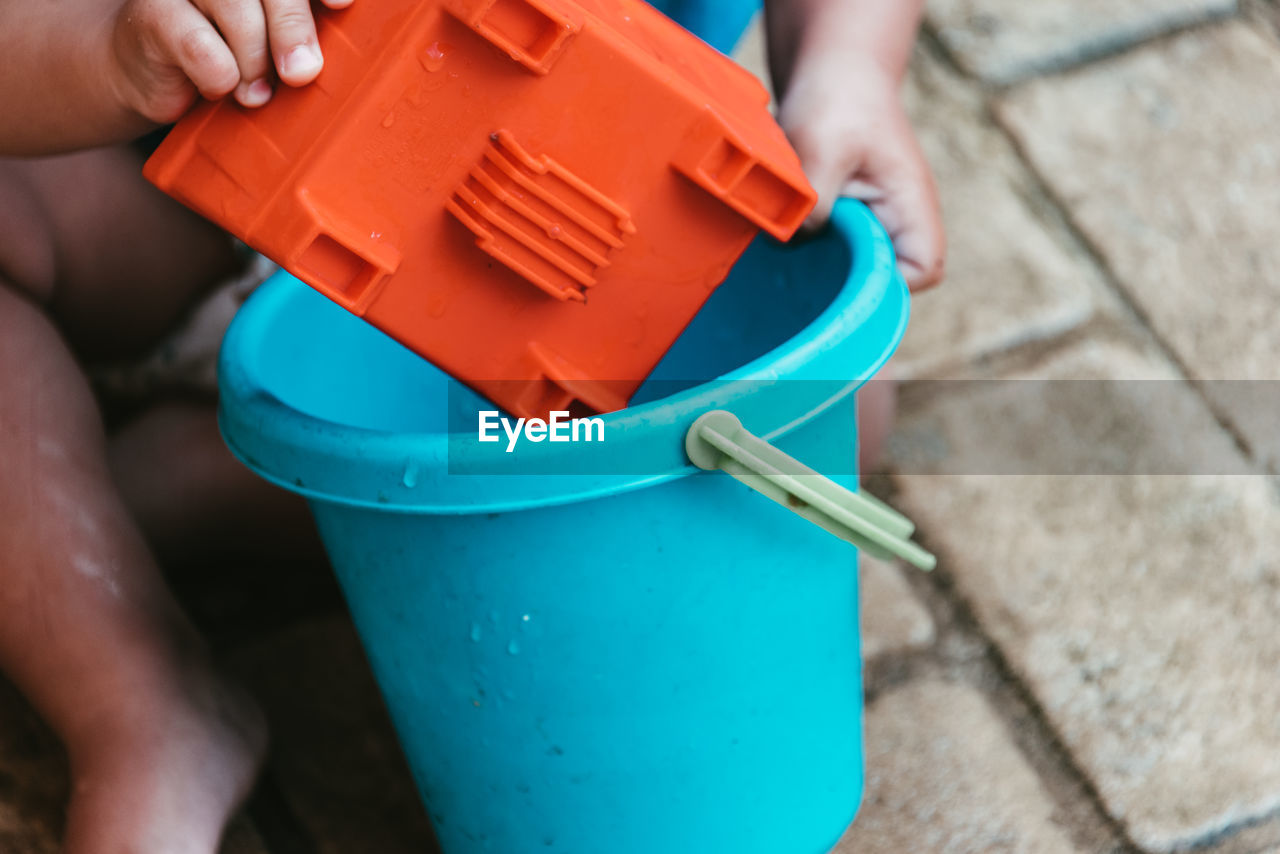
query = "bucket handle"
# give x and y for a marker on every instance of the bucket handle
(717, 440)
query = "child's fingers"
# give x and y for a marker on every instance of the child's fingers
(898, 186)
(884, 168)
(918, 240)
(337, 4)
(828, 180)
(243, 25)
(292, 32)
(191, 43)
(828, 156)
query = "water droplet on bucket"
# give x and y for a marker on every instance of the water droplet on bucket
(476, 633)
(411, 475)
(388, 120)
(513, 648)
(493, 617)
(554, 232)
(433, 57)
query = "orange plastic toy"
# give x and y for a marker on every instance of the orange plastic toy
(535, 195)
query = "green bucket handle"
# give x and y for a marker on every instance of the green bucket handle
(717, 440)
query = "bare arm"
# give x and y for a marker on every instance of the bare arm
(838, 66)
(802, 32)
(81, 73)
(54, 92)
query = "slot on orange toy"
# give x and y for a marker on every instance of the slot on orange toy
(535, 195)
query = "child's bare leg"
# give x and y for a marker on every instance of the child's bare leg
(162, 748)
(128, 261)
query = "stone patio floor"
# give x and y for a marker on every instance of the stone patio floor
(1095, 665)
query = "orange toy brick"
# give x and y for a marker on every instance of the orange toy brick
(535, 195)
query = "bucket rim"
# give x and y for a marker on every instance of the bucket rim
(321, 459)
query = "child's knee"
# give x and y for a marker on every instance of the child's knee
(28, 255)
(43, 391)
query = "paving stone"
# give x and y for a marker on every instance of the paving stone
(1139, 610)
(333, 752)
(944, 776)
(893, 618)
(1010, 279)
(1099, 408)
(1263, 838)
(1167, 160)
(1004, 40)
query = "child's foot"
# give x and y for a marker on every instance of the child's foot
(164, 772)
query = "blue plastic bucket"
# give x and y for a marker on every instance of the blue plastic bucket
(634, 662)
(720, 23)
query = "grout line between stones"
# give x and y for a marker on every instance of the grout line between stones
(1072, 792)
(964, 653)
(1264, 14)
(1070, 64)
(1113, 281)
(928, 38)
(990, 671)
(993, 674)
(1213, 840)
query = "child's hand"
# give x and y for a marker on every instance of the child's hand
(165, 51)
(846, 120)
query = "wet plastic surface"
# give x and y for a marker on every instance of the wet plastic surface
(652, 661)
(536, 195)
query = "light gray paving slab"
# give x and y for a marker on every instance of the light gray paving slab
(894, 620)
(944, 776)
(1011, 276)
(1140, 610)
(1167, 159)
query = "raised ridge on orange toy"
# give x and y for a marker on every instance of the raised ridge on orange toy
(535, 195)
